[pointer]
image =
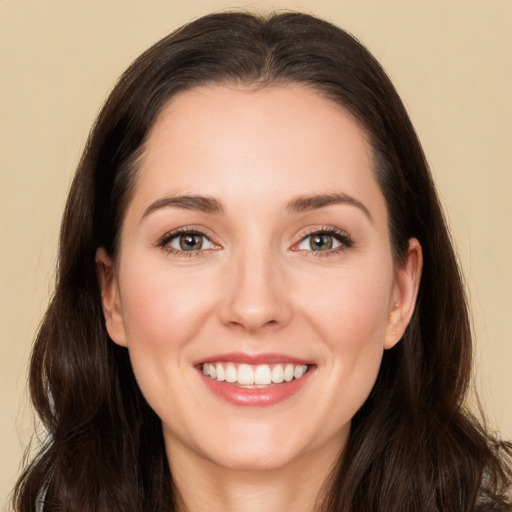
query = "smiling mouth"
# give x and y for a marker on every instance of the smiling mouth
(254, 376)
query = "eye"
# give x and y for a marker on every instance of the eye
(325, 241)
(319, 242)
(186, 242)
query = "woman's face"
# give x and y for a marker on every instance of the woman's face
(255, 248)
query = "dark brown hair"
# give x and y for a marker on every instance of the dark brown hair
(413, 446)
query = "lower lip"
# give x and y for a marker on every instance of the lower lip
(256, 397)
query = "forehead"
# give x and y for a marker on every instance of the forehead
(237, 143)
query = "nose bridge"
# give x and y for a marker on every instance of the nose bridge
(255, 297)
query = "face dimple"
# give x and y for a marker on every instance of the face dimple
(261, 280)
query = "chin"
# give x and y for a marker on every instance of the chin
(257, 449)
(252, 460)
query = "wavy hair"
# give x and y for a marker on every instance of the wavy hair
(413, 446)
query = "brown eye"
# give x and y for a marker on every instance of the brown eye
(188, 242)
(319, 242)
(325, 241)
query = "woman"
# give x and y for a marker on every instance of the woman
(257, 304)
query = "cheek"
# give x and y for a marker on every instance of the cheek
(352, 309)
(162, 308)
(350, 317)
(164, 313)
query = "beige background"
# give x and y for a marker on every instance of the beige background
(450, 60)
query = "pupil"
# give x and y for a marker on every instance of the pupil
(321, 242)
(191, 242)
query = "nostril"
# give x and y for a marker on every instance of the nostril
(254, 303)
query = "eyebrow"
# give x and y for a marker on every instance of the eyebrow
(211, 205)
(192, 202)
(314, 202)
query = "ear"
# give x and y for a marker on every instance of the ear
(110, 297)
(405, 292)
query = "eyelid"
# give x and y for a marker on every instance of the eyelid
(176, 240)
(340, 235)
(163, 241)
(344, 239)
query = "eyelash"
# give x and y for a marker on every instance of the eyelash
(346, 242)
(165, 240)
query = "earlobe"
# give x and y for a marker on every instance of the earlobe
(405, 292)
(110, 297)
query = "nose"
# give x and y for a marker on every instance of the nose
(256, 296)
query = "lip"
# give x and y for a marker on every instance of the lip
(255, 397)
(254, 359)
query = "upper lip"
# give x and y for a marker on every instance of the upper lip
(253, 359)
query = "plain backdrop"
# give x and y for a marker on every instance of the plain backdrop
(451, 61)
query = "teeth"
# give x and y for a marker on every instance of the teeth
(221, 375)
(245, 375)
(277, 374)
(262, 374)
(298, 372)
(231, 373)
(257, 375)
(288, 372)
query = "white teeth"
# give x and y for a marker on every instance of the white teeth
(245, 375)
(277, 374)
(221, 375)
(257, 375)
(262, 375)
(231, 373)
(298, 372)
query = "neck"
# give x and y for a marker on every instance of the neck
(204, 486)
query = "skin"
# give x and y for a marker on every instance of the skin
(257, 286)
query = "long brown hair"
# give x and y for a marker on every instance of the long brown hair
(413, 446)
